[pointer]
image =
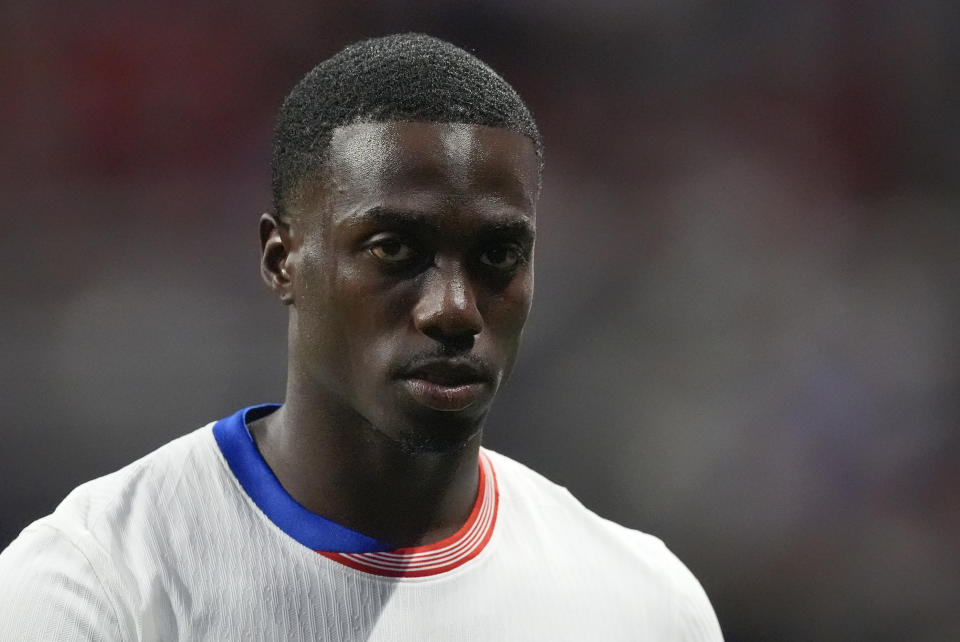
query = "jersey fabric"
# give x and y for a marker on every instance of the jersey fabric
(198, 541)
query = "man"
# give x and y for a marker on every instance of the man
(405, 178)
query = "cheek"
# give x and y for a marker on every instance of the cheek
(312, 269)
(367, 317)
(508, 310)
(327, 312)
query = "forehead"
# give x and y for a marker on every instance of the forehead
(431, 163)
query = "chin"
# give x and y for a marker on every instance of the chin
(438, 435)
(432, 443)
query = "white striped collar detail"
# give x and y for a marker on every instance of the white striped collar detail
(442, 556)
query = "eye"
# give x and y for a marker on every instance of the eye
(392, 251)
(502, 257)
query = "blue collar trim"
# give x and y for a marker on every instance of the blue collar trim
(259, 482)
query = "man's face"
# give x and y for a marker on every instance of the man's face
(411, 275)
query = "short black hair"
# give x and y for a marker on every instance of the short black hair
(408, 76)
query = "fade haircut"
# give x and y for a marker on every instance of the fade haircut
(412, 77)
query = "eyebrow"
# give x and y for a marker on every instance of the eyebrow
(390, 217)
(519, 228)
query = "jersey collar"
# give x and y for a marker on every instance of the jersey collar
(337, 542)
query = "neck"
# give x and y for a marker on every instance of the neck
(336, 464)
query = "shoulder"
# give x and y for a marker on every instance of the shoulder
(67, 572)
(554, 509)
(115, 502)
(54, 586)
(636, 563)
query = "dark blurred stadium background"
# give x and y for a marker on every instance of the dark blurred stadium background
(745, 335)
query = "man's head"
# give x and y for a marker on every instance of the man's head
(404, 77)
(406, 174)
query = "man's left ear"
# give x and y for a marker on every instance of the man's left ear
(275, 256)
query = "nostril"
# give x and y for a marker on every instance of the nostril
(452, 343)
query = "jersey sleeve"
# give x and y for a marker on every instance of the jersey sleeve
(49, 590)
(695, 617)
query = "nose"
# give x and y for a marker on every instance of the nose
(447, 309)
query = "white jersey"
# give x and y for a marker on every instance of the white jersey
(198, 541)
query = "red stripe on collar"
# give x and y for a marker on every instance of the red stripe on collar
(445, 555)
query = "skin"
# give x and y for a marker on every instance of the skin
(408, 269)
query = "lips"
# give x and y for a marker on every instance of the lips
(447, 385)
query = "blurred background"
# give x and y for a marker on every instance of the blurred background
(745, 334)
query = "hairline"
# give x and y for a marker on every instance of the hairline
(319, 167)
